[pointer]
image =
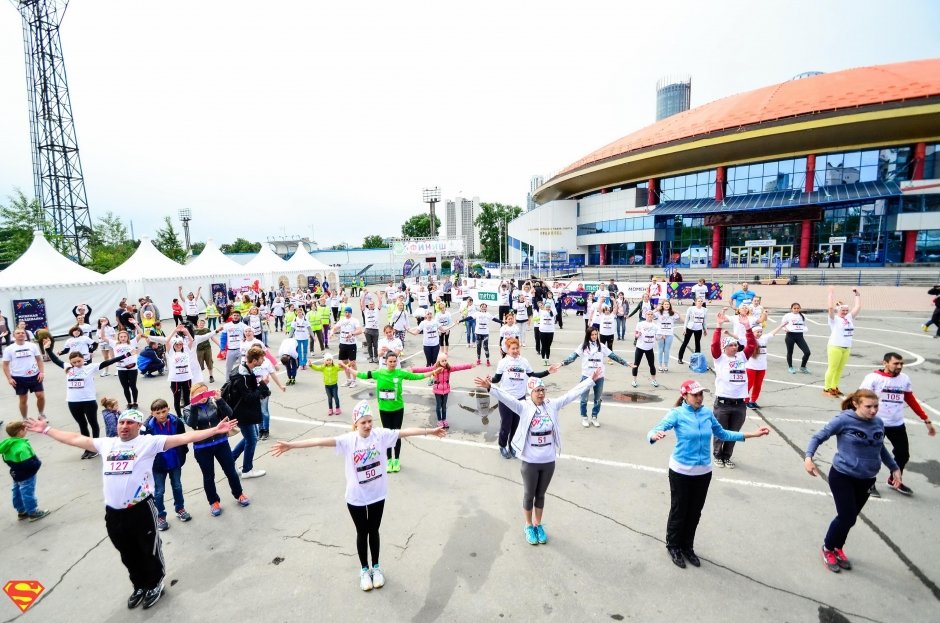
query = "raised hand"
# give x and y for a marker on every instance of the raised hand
(280, 448)
(483, 381)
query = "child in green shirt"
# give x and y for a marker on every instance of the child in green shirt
(330, 372)
(24, 465)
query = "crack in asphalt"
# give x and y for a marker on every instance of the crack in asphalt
(302, 537)
(929, 584)
(652, 537)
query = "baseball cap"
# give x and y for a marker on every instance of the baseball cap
(361, 410)
(691, 387)
(133, 415)
(348, 310)
(728, 341)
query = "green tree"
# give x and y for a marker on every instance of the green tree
(374, 242)
(197, 247)
(18, 220)
(168, 242)
(110, 245)
(241, 246)
(490, 222)
(419, 226)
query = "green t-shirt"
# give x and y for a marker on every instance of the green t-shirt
(388, 386)
(16, 449)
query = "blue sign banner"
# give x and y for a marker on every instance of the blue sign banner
(32, 312)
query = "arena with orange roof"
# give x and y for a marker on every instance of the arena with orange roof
(838, 167)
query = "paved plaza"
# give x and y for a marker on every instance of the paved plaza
(453, 547)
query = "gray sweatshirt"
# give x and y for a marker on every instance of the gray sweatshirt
(860, 445)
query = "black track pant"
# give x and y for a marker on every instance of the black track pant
(687, 495)
(180, 391)
(850, 495)
(689, 333)
(133, 532)
(393, 419)
(368, 519)
(508, 423)
(483, 342)
(128, 379)
(85, 413)
(607, 340)
(538, 338)
(638, 357)
(798, 340)
(547, 339)
(900, 447)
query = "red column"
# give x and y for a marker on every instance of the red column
(910, 246)
(920, 153)
(805, 238)
(720, 184)
(652, 196)
(716, 246)
(649, 252)
(603, 254)
(810, 173)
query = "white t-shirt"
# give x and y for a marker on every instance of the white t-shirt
(277, 308)
(288, 347)
(759, 360)
(301, 327)
(592, 358)
(429, 328)
(108, 334)
(737, 327)
(547, 320)
(522, 313)
(505, 332)
(80, 382)
(503, 297)
(890, 390)
(665, 323)
(247, 344)
(234, 333)
(365, 464)
(606, 322)
(346, 328)
(540, 441)
(120, 350)
(391, 292)
(843, 330)
(444, 320)
(515, 373)
(393, 345)
(483, 322)
(372, 318)
(695, 318)
(421, 296)
(254, 321)
(22, 359)
(731, 376)
(80, 344)
(191, 307)
(127, 468)
(646, 335)
(796, 323)
(700, 291)
(180, 364)
(399, 318)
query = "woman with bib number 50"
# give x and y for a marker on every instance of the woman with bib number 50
(364, 454)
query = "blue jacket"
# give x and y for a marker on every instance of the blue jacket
(694, 430)
(742, 297)
(860, 445)
(173, 458)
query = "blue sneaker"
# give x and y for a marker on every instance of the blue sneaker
(530, 535)
(505, 453)
(791, 370)
(540, 534)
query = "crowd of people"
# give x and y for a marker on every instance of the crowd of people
(140, 451)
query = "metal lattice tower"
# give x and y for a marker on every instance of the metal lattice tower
(57, 169)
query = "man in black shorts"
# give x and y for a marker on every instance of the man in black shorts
(348, 328)
(23, 367)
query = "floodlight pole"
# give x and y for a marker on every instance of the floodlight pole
(431, 196)
(186, 215)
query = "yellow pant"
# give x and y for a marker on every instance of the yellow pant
(838, 357)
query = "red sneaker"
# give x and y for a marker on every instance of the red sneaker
(841, 560)
(830, 560)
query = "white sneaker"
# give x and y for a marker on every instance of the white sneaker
(378, 579)
(595, 422)
(633, 383)
(365, 580)
(255, 473)
(584, 422)
(654, 383)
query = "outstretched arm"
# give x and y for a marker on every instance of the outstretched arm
(858, 303)
(70, 439)
(195, 436)
(320, 442)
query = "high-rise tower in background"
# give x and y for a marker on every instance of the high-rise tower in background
(459, 214)
(534, 182)
(673, 95)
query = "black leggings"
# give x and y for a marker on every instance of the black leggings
(85, 413)
(535, 480)
(180, 391)
(799, 340)
(900, 447)
(547, 339)
(607, 340)
(430, 354)
(367, 520)
(687, 494)
(279, 323)
(445, 339)
(685, 341)
(483, 342)
(393, 419)
(128, 379)
(850, 495)
(638, 357)
(508, 423)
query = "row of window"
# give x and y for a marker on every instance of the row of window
(617, 225)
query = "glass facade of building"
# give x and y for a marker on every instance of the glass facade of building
(700, 185)
(765, 177)
(888, 164)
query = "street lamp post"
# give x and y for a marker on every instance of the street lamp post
(431, 196)
(185, 216)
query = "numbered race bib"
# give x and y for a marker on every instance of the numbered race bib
(594, 362)
(345, 337)
(120, 463)
(540, 431)
(387, 394)
(516, 374)
(431, 333)
(848, 331)
(736, 372)
(23, 353)
(368, 465)
(892, 397)
(76, 383)
(649, 338)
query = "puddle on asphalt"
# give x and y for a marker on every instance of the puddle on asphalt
(929, 469)
(632, 396)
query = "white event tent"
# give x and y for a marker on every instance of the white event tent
(271, 267)
(302, 265)
(149, 272)
(44, 273)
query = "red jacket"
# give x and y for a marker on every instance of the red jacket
(442, 378)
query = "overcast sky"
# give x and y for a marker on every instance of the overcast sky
(327, 119)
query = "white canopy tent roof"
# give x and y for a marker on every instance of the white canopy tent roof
(213, 262)
(301, 263)
(269, 265)
(44, 273)
(148, 261)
